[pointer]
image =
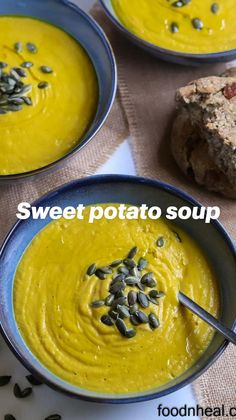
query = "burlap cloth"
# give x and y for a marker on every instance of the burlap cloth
(143, 109)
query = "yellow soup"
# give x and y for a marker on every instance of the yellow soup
(191, 26)
(54, 297)
(60, 113)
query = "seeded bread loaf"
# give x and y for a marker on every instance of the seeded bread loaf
(204, 132)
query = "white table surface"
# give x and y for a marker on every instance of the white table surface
(45, 401)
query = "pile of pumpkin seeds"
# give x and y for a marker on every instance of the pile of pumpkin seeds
(196, 22)
(13, 91)
(128, 304)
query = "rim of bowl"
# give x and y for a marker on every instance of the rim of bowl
(137, 397)
(57, 163)
(155, 48)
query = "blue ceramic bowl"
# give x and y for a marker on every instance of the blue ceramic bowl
(165, 54)
(88, 33)
(212, 238)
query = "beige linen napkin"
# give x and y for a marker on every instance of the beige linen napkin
(147, 87)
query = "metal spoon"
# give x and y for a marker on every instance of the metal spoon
(208, 318)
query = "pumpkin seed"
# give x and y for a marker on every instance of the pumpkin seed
(92, 270)
(3, 65)
(174, 28)
(178, 3)
(15, 75)
(116, 263)
(4, 380)
(134, 320)
(9, 417)
(133, 309)
(120, 325)
(151, 283)
(132, 297)
(54, 417)
(113, 314)
(21, 393)
(143, 318)
(46, 69)
(140, 286)
(97, 304)
(21, 72)
(215, 8)
(130, 333)
(153, 300)
(120, 277)
(33, 381)
(132, 252)
(27, 100)
(14, 108)
(142, 264)
(100, 274)
(123, 270)
(43, 85)
(155, 294)
(153, 321)
(123, 311)
(121, 300)
(131, 281)
(107, 320)
(135, 272)
(146, 277)
(117, 287)
(109, 300)
(129, 263)
(27, 64)
(197, 23)
(143, 300)
(31, 47)
(160, 242)
(105, 270)
(18, 47)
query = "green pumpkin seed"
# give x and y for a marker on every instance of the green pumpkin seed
(15, 75)
(174, 28)
(18, 47)
(33, 381)
(113, 314)
(143, 318)
(54, 417)
(120, 277)
(43, 85)
(134, 320)
(27, 64)
(25, 89)
(142, 264)
(123, 311)
(151, 283)
(46, 69)
(135, 272)
(21, 393)
(116, 263)
(121, 326)
(31, 47)
(215, 8)
(131, 281)
(153, 321)
(143, 300)
(129, 263)
(117, 287)
(107, 320)
(123, 270)
(155, 294)
(3, 65)
(132, 297)
(132, 252)
(4, 380)
(130, 333)
(146, 277)
(100, 274)
(121, 300)
(197, 23)
(9, 417)
(21, 72)
(140, 286)
(97, 303)
(153, 300)
(160, 242)
(109, 300)
(133, 309)
(105, 270)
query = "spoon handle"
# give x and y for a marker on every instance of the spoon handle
(211, 320)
